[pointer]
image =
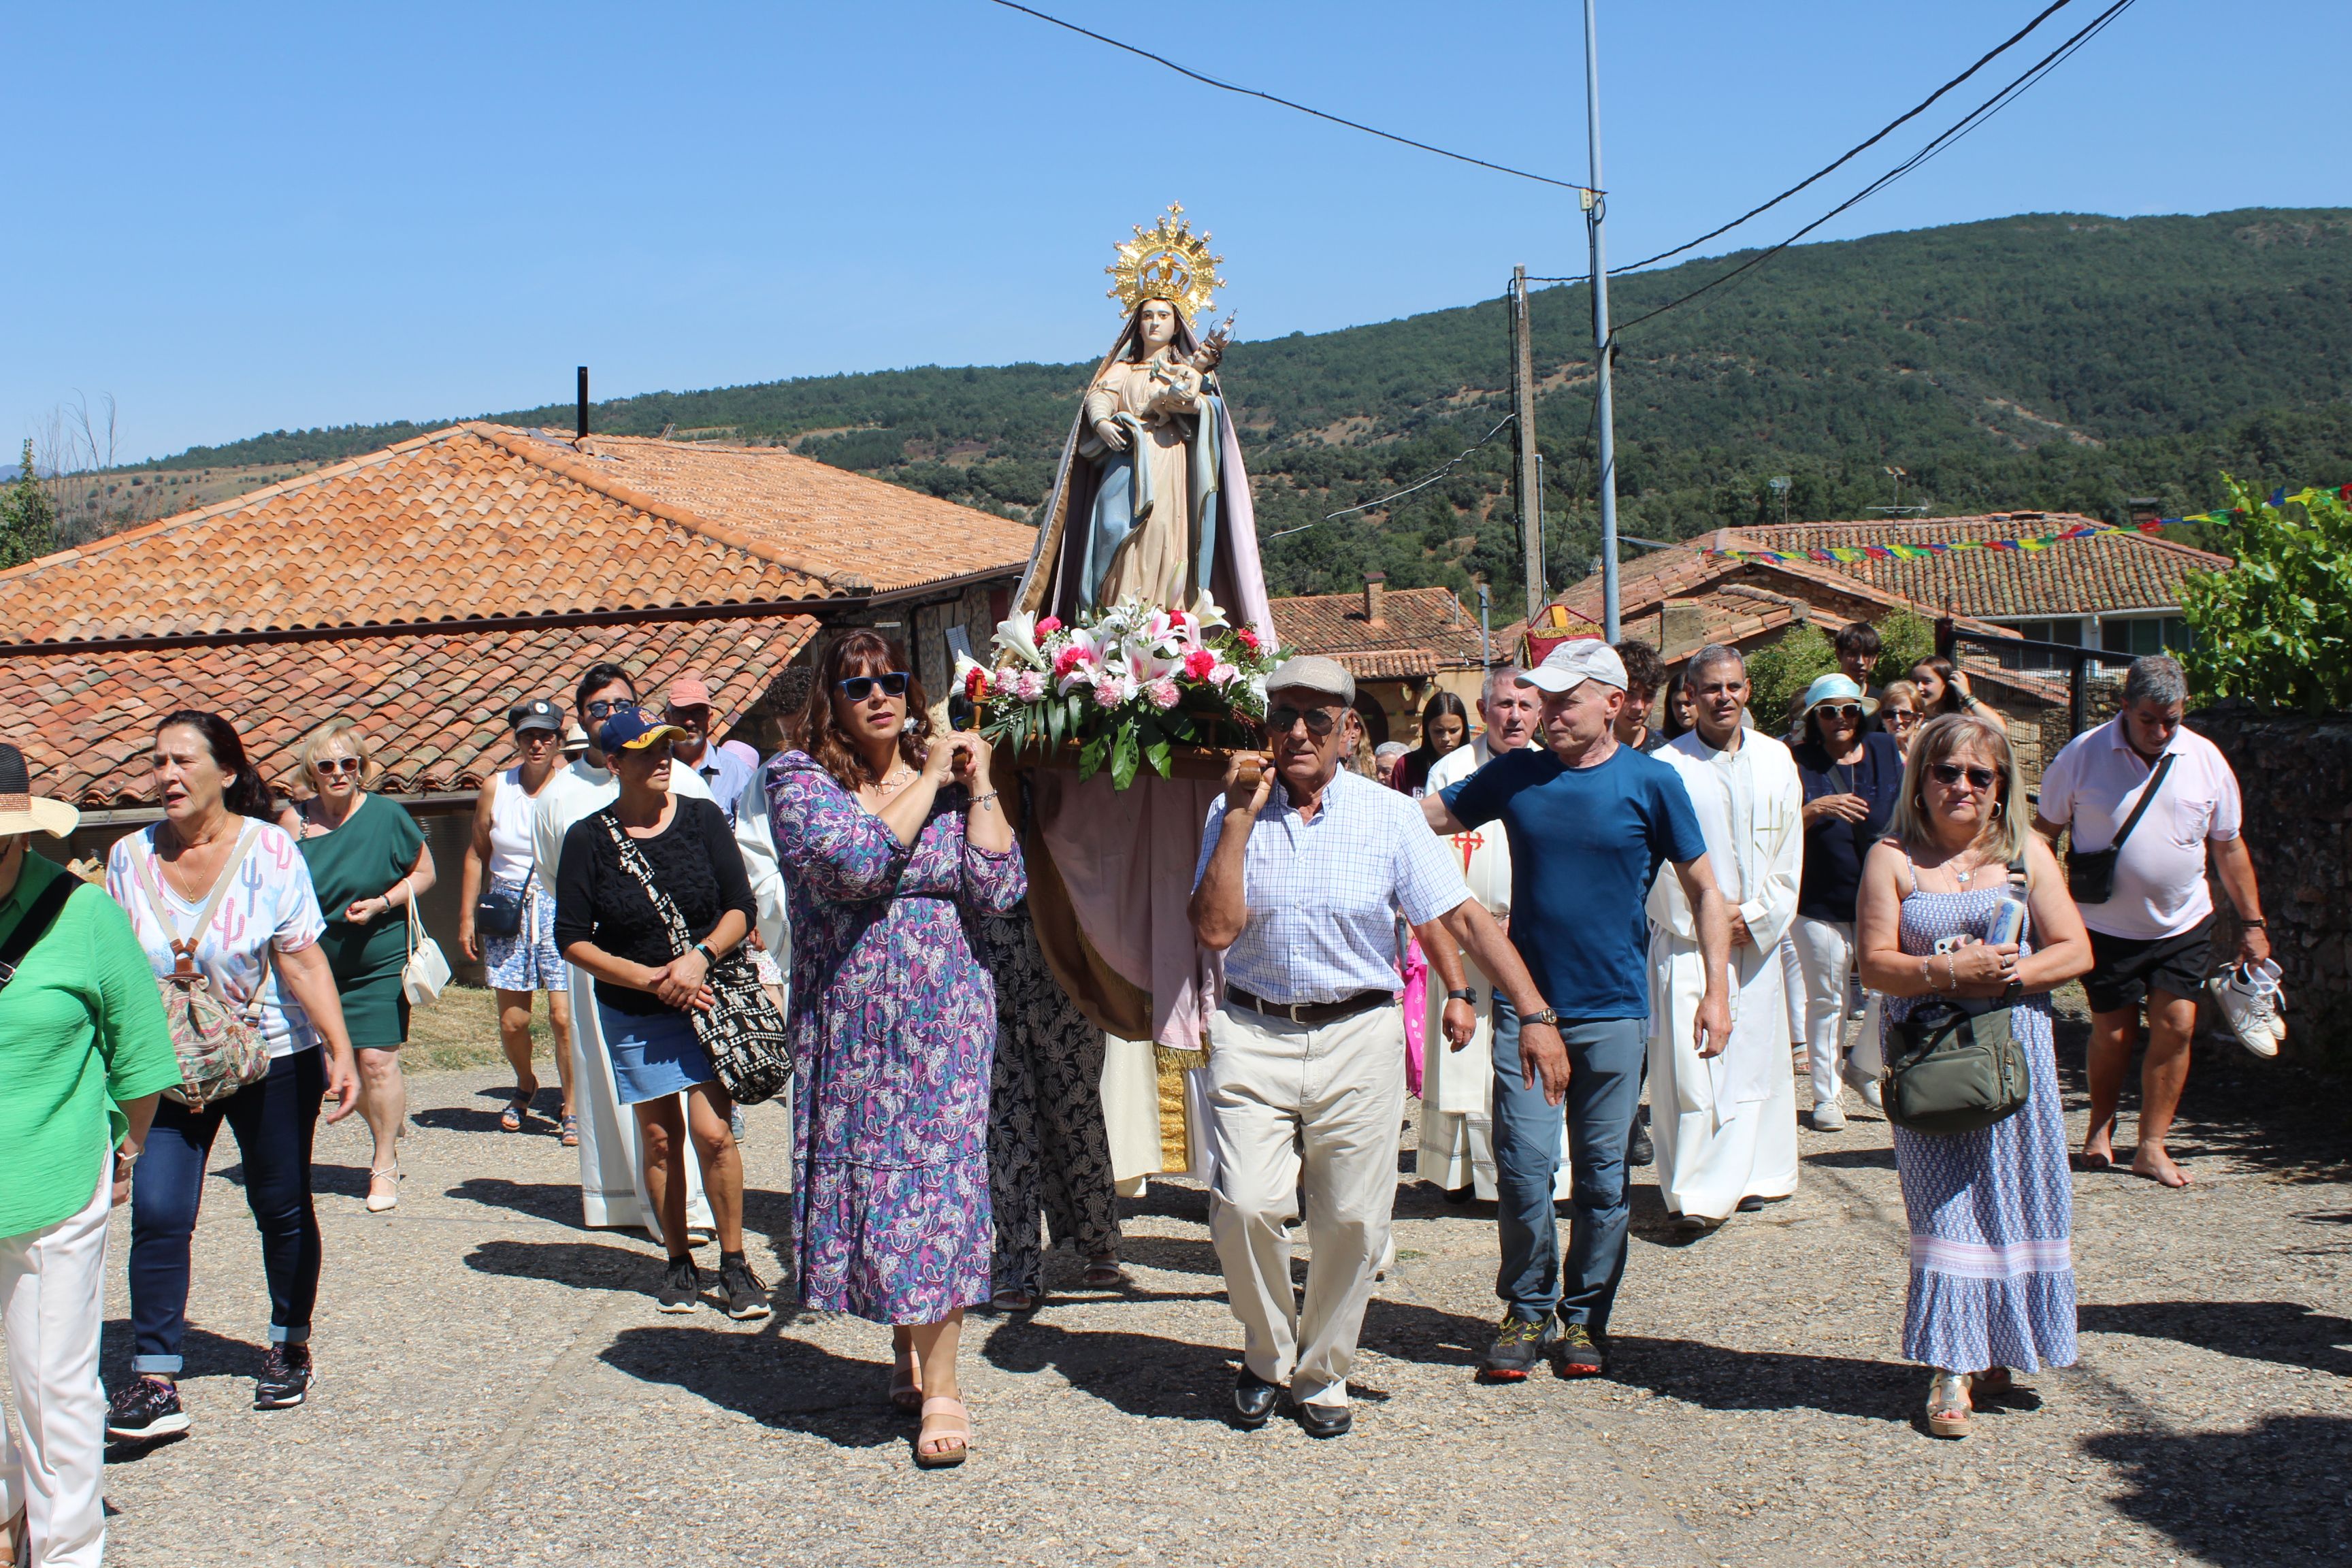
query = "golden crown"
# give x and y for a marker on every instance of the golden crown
(1169, 262)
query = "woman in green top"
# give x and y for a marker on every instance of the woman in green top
(87, 1052)
(368, 862)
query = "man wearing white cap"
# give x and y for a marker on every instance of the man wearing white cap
(1590, 822)
(1726, 1125)
(1301, 879)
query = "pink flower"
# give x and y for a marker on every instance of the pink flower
(1029, 686)
(1199, 663)
(1068, 659)
(1162, 692)
(1113, 689)
(1223, 675)
(1049, 626)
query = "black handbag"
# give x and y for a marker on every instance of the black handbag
(499, 912)
(1957, 1065)
(742, 1032)
(2091, 874)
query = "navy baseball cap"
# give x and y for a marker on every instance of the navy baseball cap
(628, 729)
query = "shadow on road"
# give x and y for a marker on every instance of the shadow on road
(557, 1201)
(775, 1379)
(1424, 1334)
(1854, 1159)
(1178, 1254)
(1721, 1379)
(583, 1264)
(2238, 1499)
(1142, 1374)
(2287, 1332)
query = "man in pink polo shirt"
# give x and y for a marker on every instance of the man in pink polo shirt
(2151, 939)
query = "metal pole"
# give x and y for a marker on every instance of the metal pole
(1486, 651)
(1523, 414)
(1596, 209)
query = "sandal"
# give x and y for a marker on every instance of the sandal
(1012, 1301)
(571, 1132)
(1994, 1383)
(1103, 1272)
(906, 1389)
(946, 1456)
(518, 1108)
(1948, 1405)
(390, 1200)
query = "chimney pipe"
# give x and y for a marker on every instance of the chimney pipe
(1375, 590)
(582, 433)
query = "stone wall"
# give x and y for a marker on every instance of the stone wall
(2295, 774)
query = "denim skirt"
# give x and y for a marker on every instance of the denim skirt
(653, 1055)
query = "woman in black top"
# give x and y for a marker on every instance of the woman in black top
(607, 922)
(1445, 727)
(1853, 777)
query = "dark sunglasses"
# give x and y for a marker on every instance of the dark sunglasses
(336, 766)
(1840, 710)
(1897, 716)
(536, 737)
(859, 688)
(1320, 721)
(1950, 773)
(605, 706)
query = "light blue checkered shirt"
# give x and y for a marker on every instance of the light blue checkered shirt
(1323, 896)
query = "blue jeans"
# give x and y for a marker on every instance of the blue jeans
(273, 1121)
(1604, 1085)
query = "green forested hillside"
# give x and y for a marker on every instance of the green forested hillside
(2050, 362)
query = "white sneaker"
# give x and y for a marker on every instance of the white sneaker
(1863, 1084)
(1827, 1117)
(2249, 998)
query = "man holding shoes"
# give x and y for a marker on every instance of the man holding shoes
(1301, 879)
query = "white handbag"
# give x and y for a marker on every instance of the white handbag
(426, 972)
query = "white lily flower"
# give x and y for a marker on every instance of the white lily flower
(1017, 634)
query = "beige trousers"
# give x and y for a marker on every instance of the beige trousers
(52, 1303)
(1325, 1103)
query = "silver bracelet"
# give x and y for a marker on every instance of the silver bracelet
(988, 799)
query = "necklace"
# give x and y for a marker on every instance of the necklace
(891, 783)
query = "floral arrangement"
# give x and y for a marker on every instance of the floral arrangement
(1127, 685)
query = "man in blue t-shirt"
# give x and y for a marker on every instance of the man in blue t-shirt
(1590, 821)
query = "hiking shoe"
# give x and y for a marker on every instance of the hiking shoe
(681, 1286)
(285, 1378)
(144, 1410)
(1578, 1353)
(746, 1297)
(1639, 1149)
(2249, 999)
(1518, 1346)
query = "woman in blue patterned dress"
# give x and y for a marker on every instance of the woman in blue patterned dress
(892, 845)
(1992, 1211)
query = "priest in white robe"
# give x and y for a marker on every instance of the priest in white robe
(1725, 1127)
(1457, 1086)
(612, 1172)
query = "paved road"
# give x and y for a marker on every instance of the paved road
(496, 1388)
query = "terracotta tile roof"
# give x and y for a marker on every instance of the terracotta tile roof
(1389, 664)
(2079, 577)
(1431, 622)
(480, 519)
(433, 703)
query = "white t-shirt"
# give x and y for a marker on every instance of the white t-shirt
(2160, 888)
(271, 905)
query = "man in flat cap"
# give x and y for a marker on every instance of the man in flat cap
(1301, 879)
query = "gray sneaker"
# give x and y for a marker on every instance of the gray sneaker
(681, 1286)
(1518, 1346)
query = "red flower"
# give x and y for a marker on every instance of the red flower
(1199, 662)
(1246, 637)
(1049, 626)
(975, 683)
(1068, 659)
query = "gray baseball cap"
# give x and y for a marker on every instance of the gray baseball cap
(538, 713)
(1313, 672)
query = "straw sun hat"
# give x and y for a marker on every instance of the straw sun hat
(22, 811)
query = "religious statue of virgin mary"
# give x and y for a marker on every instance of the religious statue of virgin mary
(1151, 502)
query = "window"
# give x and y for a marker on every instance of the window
(2068, 632)
(2145, 634)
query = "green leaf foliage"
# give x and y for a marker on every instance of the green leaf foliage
(1778, 674)
(1904, 639)
(28, 521)
(2277, 629)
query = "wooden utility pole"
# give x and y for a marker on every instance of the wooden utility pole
(1523, 419)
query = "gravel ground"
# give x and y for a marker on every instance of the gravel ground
(496, 1388)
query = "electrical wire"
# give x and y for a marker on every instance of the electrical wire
(1286, 103)
(1417, 485)
(1976, 117)
(1852, 153)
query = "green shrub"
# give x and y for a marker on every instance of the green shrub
(1904, 640)
(2277, 629)
(1778, 673)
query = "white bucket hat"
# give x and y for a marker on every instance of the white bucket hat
(22, 811)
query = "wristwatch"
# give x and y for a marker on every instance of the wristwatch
(709, 959)
(1469, 996)
(1541, 1015)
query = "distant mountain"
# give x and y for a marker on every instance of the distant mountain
(2056, 361)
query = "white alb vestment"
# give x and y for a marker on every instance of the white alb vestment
(1458, 1088)
(611, 1174)
(1726, 1126)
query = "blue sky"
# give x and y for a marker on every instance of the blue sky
(239, 218)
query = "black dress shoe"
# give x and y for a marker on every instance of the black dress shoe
(1326, 1420)
(1253, 1399)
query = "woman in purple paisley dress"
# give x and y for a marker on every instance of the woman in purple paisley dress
(892, 845)
(1992, 1211)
